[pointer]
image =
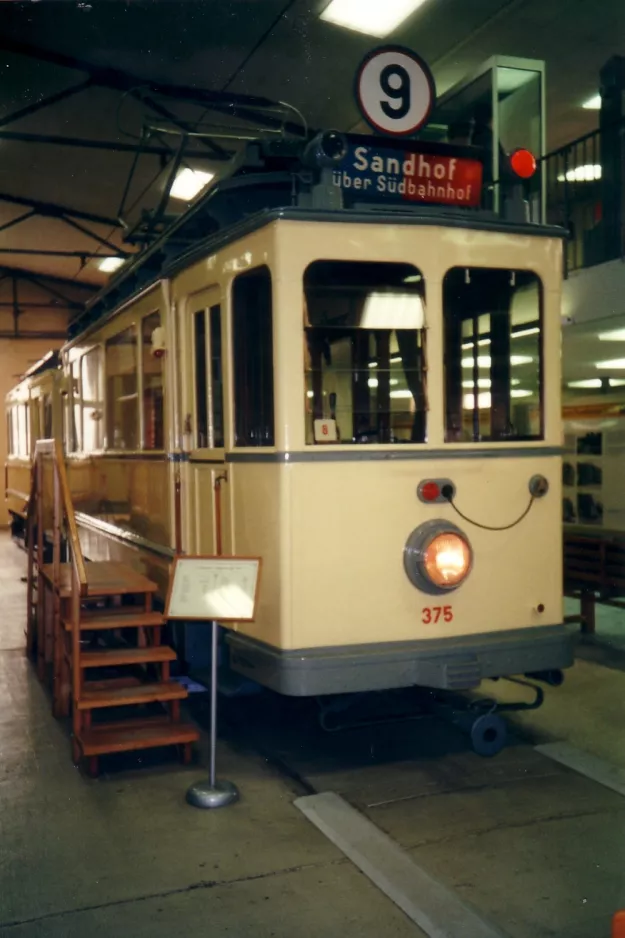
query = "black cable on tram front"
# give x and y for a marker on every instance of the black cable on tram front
(448, 493)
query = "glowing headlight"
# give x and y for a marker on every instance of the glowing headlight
(437, 557)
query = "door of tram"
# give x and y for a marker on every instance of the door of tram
(208, 508)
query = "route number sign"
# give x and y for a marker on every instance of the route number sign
(395, 91)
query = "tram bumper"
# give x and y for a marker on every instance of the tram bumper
(457, 663)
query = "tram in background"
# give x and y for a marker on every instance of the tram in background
(360, 385)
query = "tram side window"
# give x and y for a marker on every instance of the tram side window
(365, 353)
(208, 380)
(74, 407)
(493, 355)
(153, 413)
(21, 430)
(48, 428)
(253, 358)
(122, 412)
(92, 400)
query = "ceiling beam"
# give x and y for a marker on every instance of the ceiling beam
(53, 210)
(57, 140)
(244, 105)
(81, 255)
(24, 274)
(45, 102)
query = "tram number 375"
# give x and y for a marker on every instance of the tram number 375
(433, 614)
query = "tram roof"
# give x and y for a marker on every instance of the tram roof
(260, 191)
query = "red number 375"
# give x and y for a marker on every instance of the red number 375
(434, 614)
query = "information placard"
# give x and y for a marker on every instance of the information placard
(221, 589)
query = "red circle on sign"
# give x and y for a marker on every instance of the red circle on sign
(523, 163)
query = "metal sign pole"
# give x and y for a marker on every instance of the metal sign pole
(211, 793)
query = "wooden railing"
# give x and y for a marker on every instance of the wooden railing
(49, 452)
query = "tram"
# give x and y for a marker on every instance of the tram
(339, 361)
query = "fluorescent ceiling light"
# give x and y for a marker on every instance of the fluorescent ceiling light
(373, 17)
(484, 361)
(585, 383)
(413, 278)
(396, 360)
(403, 392)
(519, 392)
(593, 104)
(374, 383)
(615, 335)
(466, 345)
(310, 393)
(393, 311)
(109, 264)
(188, 183)
(613, 363)
(588, 173)
(523, 332)
(481, 383)
(483, 401)
(616, 382)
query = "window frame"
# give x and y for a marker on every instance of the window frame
(236, 334)
(200, 306)
(133, 327)
(423, 340)
(509, 440)
(141, 385)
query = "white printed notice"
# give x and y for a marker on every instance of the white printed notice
(222, 589)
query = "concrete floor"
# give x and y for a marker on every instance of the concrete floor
(534, 847)
(126, 856)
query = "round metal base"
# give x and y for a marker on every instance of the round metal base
(205, 795)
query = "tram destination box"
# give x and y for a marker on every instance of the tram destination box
(379, 170)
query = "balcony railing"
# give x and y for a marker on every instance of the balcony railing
(582, 200)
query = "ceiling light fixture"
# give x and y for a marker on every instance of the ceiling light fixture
(613, 363)
(593, 104)
(588, 173)
(188, 183)
(369, 16)
(481, 383)
(615, 335)
(523, 332)
(484, 361)
(585, 383)
(109, 264)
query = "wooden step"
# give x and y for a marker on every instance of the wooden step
(117, 620)
(118, 738)
(125, 696)
(109, 657)
(104, 578)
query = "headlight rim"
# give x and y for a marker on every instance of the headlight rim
(414, 550)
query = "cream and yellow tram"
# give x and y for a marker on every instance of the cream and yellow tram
(367, 396)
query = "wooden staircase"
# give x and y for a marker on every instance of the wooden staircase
(92, 631)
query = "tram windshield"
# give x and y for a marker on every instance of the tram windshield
(365, 353)
(493, 355)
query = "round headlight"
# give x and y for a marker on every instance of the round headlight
(437, 557)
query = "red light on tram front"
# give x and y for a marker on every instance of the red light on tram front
(523, 163)
(430, 491)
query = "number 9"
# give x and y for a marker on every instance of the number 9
(398, 91)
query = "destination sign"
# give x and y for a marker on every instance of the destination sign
(367, 173)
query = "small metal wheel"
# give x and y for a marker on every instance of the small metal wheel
(488, 735)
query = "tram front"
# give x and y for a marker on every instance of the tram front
(419, 442)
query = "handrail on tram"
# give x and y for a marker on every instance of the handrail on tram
(62, 501)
